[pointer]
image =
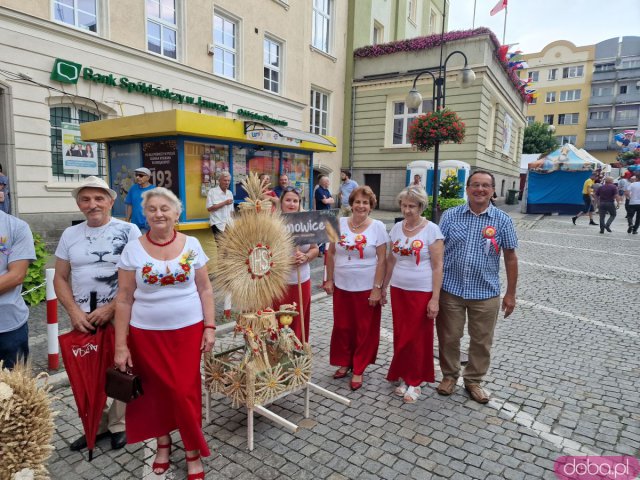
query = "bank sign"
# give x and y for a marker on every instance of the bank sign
(65, 71)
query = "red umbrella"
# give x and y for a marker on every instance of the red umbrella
(86, 358)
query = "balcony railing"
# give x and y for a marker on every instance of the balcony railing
(596, 145)
(633, 97)
(599, 123)
(605, 75)
(626, 122)
(625, 73)
(603, 100)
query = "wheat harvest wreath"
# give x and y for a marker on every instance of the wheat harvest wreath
(441, 126)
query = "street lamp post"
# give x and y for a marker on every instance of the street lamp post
(414, 99)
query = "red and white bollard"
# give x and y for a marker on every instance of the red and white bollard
(52, 322)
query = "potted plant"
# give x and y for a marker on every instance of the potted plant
(440, 126)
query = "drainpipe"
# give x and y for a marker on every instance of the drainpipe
(353, 126)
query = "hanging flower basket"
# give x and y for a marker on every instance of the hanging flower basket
(441, 126)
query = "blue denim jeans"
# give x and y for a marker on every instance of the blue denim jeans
(14, 345)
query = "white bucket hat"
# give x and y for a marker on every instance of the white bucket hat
(93, 182)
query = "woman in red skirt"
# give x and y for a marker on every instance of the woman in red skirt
(414, 271)
(355, 272)
(303, 255)
(165, 308)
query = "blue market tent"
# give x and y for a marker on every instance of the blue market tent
(556, 185)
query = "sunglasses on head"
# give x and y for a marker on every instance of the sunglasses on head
(292, 189)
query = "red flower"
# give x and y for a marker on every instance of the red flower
(146, 269)
(152, 279)
(181, 277)
(168, 280)
(186, 267)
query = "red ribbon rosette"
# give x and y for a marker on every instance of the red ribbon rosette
(361, 242)
(416, 246)
(489, 233)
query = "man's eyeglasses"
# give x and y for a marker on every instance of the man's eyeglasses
(291, 189)
(485, 186)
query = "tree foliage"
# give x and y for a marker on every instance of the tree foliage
(538, 139)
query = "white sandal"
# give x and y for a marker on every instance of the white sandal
(412, 394)
(401, 389)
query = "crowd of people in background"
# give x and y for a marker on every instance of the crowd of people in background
(604, 195)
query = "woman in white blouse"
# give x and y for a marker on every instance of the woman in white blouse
(164, 321)
(414, 272)
(302, 257)
(355, 272)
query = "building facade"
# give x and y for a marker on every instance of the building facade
(68, 62)
(373, 22)
(614, 105)
(561, 73)
(588, 93)
(492, 109)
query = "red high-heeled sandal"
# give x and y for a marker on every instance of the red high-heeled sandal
(164, 466)
(195, 476)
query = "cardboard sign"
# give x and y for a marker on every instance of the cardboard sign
(317, 226)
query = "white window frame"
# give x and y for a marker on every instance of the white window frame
(222, 49)
(534, 73)
(599, 115)
(267, 66)
(322, 41)
(534, 101)
(626, 90)
(570, 95)
(562, 139)
(568, 118)
(552, 74)
(626, 114)
(323, 113)
(98, 16)
(548, 119)
(597, 137)
(163, 25)
(550, 97)
(605, 67)
(575, 71)
(598, 91)
(433, 21)
(391, 116)
(531, 119)
(378, 33)
(630, 63)
(412, 9)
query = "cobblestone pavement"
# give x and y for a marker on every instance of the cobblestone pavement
(565, 379)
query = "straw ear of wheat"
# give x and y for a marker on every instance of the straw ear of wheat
(26, 423)
(257, 225)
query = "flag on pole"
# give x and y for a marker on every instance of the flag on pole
(501, 5)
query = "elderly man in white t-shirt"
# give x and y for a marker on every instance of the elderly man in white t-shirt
(86, 268)
(220, 204)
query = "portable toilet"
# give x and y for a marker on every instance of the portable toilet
(418, 170)
(460, 169)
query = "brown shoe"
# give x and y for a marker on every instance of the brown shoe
(446, 386)
(477, 393)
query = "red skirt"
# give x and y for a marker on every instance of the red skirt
(168, 363)
(356, 330)
(412, 338)
(290, 296)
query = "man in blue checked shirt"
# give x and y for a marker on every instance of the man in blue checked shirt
(475, 234)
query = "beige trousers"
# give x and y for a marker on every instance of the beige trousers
(113, 417)
(482, 316)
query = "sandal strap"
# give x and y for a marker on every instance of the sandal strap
(194, 458)
(159, 446)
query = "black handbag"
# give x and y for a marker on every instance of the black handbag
(123, 386)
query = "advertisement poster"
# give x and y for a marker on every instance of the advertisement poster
(124, 158)
(162, 159)
(78, 157)
(507, 127)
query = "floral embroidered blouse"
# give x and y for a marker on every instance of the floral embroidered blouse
(166, 296)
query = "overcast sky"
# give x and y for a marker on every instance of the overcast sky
(533, 24)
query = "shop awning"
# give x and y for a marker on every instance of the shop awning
(287, 132)
(192, 124)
